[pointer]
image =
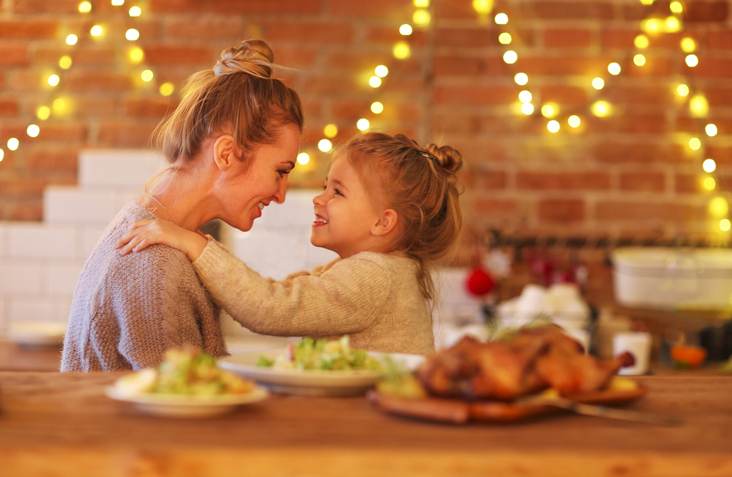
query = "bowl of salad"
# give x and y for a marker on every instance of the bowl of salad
(188, 383)
(319, 367)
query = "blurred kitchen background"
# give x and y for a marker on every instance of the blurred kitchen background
(595, 134)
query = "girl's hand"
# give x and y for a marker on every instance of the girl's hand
(150, 232)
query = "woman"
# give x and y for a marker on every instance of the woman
(232, 141)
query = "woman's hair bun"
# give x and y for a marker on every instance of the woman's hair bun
(447, 157)
(254, 57)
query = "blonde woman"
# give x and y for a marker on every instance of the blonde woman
(231, 142)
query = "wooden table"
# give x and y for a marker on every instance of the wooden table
(61, 425)
(24, 358)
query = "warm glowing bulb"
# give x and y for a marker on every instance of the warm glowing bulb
(135, 11)
(375, 81)
(167, 88)
(132, 34)
(65, 62)
(505, 38)
(695, 144)
(688, 44)
(641, 42)
(521, 79)
(574, 121)
(381, 71)
(718, 206)
(682, 90)
(43, 112)
(614, 68)
(401, 50)
(421, 18)
(553, 126)
(330, 130)
(525, 96)
(510, 57)
(303, 158)
(709, 165)
(324, 145)
(527, 109)
(698, 106)
(672, 24)
(501, 19)
(377, 107)
(118, 3)
(85, 7)
(96, 31)
(147, 75)
(483, 7)
(550, 110)
(725, 225)
(709, 184)
(711, 129)
(136, 55)
(421, 3)
(61, 106)
(405, 29)
(33, 130)
(676, 7)
(363, 124)
(2, 154)
(647, 2)
(13, 143)
(53, 80)
(692, 61)
(72, 39)
(598, 83)
(639, 60)
(601, 108)
(652, 26)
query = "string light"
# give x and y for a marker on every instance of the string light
(574, 121)
(553, 126)
(601, 108)
(421, 18)
(525, 96)
(682, 90)
(330, 130)
(695, 143)
(53, 80)
(510, 57)
(72, 39)
(132, 34)
(527, 109)
(363, 124)
(2, 154)
(709, 165)
(688, 44)
(405, 29)
(614, 68)
(641, 42)
(676, 7)
(652, 26)
(550, 110)
(639, 60)
(598, 83)
(33, 130)
(483, 7)
(382, 71)
(505, 38)
(521, 79)
(43, 112)
(698, 106)
(97, 31)
(501, 19)
(725, 225)
(147, 75)
(421, 3)
(646, 2)
(718, 206)
(65, 62)
(13, 143)
(303, 158)
(135, 55)
(709, 184)
(118, 3)
(85, 7)
(711, 129)
(692, 61)
(324, 145)
(672, 25)
(61, 106)
(375, 81)
(401, 50)
(377, 107)
(167, 88)
(135, 11)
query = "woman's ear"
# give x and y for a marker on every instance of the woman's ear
(386, 223)
(225, 151)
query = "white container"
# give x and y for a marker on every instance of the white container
(639, 345)
(669, 278)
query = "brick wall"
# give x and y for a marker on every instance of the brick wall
(629, 174)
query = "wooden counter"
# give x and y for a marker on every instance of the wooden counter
(61, 425)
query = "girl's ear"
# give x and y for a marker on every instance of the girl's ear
(225, 151)
(386, 223)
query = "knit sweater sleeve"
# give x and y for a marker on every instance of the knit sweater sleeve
(344, 298)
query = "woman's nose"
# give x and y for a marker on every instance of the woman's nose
(281, 191)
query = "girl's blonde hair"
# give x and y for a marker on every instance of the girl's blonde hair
(420, 184)
(238, 95)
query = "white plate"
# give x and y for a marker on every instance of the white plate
(172, 405)
(311, 383)
(37, 333)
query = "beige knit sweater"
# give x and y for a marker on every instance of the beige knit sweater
(372, 297)
(128, 310)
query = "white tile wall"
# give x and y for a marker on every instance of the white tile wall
(28, 240)
(118, 168)
(68, 205)
(20, 277)
(38, 308)
(88, 238)
(59, 279)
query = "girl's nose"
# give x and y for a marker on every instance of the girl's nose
(319, 199)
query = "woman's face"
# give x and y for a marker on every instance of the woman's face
(248, 187)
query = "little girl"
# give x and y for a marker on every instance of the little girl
(389, 209)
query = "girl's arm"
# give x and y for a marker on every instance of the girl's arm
(345, 298)
(158, 231)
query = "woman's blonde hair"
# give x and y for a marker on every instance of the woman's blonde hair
(420, 184)
(238, 95)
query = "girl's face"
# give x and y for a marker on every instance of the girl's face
(344, 212)
(248, 187)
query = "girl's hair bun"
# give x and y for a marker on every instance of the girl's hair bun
(446, 157)
(254, 57)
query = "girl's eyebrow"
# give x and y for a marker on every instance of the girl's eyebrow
(339, 183)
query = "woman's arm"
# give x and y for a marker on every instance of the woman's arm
(159, 231)
(345, 298)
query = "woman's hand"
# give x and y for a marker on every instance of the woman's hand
(150, 232)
